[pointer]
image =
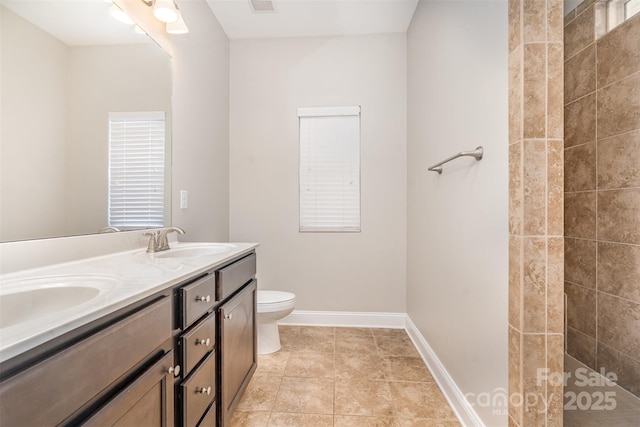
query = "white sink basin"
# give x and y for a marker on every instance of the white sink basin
(25, 300)
(188, 250)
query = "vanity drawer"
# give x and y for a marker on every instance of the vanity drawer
(198, 391)
(196, 343)
(98, 360)
(232, 277)
(197, 299)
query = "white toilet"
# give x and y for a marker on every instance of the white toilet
(272, 306)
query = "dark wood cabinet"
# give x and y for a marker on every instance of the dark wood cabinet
(181, 357)
(238, 348)
(56, 390)
(147, 401)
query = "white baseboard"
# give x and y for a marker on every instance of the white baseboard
(345, 318)
(461, 407)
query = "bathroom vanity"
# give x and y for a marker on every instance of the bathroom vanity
(178, 352)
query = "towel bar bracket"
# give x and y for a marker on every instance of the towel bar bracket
(476, 154)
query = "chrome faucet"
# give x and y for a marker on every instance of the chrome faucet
(158, 241)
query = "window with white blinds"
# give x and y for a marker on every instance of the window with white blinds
(329, 169)
(136, 169)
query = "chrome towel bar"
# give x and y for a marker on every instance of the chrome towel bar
(476, 154)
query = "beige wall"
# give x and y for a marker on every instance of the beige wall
(200, 106)
(602, 194)
(457, 221)
(269, 80)
(34, 89)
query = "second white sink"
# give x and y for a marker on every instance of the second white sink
(187, 250)
(26, 300)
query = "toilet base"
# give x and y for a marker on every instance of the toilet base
(268, 337)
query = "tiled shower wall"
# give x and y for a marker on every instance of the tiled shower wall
(536, 253)
(602, 192)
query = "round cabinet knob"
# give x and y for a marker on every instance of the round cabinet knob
(205, 390)
(203, 299)
(175, 370)
(205, 342)
(228, 316)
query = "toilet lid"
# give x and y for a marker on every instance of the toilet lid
(271, 297)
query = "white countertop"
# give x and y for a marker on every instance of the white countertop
(129, 277)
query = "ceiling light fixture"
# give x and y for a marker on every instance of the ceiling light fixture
(165, 10)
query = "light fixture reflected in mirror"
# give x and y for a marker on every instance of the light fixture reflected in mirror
(167, 11)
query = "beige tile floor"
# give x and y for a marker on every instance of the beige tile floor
(343, 377)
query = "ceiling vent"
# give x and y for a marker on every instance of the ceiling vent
(259, 6)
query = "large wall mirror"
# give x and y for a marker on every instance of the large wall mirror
(67, 67)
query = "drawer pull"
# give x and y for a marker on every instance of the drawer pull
(203, 299)
(206, 342)
(228, 316)
(205, 390)
(175, 370)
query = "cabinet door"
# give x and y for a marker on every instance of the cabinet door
(147, 401)
(238, 350)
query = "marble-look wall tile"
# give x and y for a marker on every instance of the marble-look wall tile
(619, 215)
(555, 388)
(534, 284)
(515, 189)
(619, 161)
(580, 262)
(534, 21)
(619, 52)
(534, 183)
(555, 20)
(580, 121)
(619, 323)
(580, 215)
(515, 281)
(555, 285)
(555, 91)
(581, 308)
(515, 95)
(515, 372)
(618, 107)
(584, 5)
(534, 90)
(570, 17)
(619, 271)
(580, 74)
(580, 168)
(555, 187)
(626, 368)
(582, 347)
(533, 359)
(579, 33)
(515, 25)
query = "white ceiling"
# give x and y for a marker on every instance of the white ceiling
(304, 18)
(76, 22)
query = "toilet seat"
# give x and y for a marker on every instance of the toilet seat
(271, 301)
